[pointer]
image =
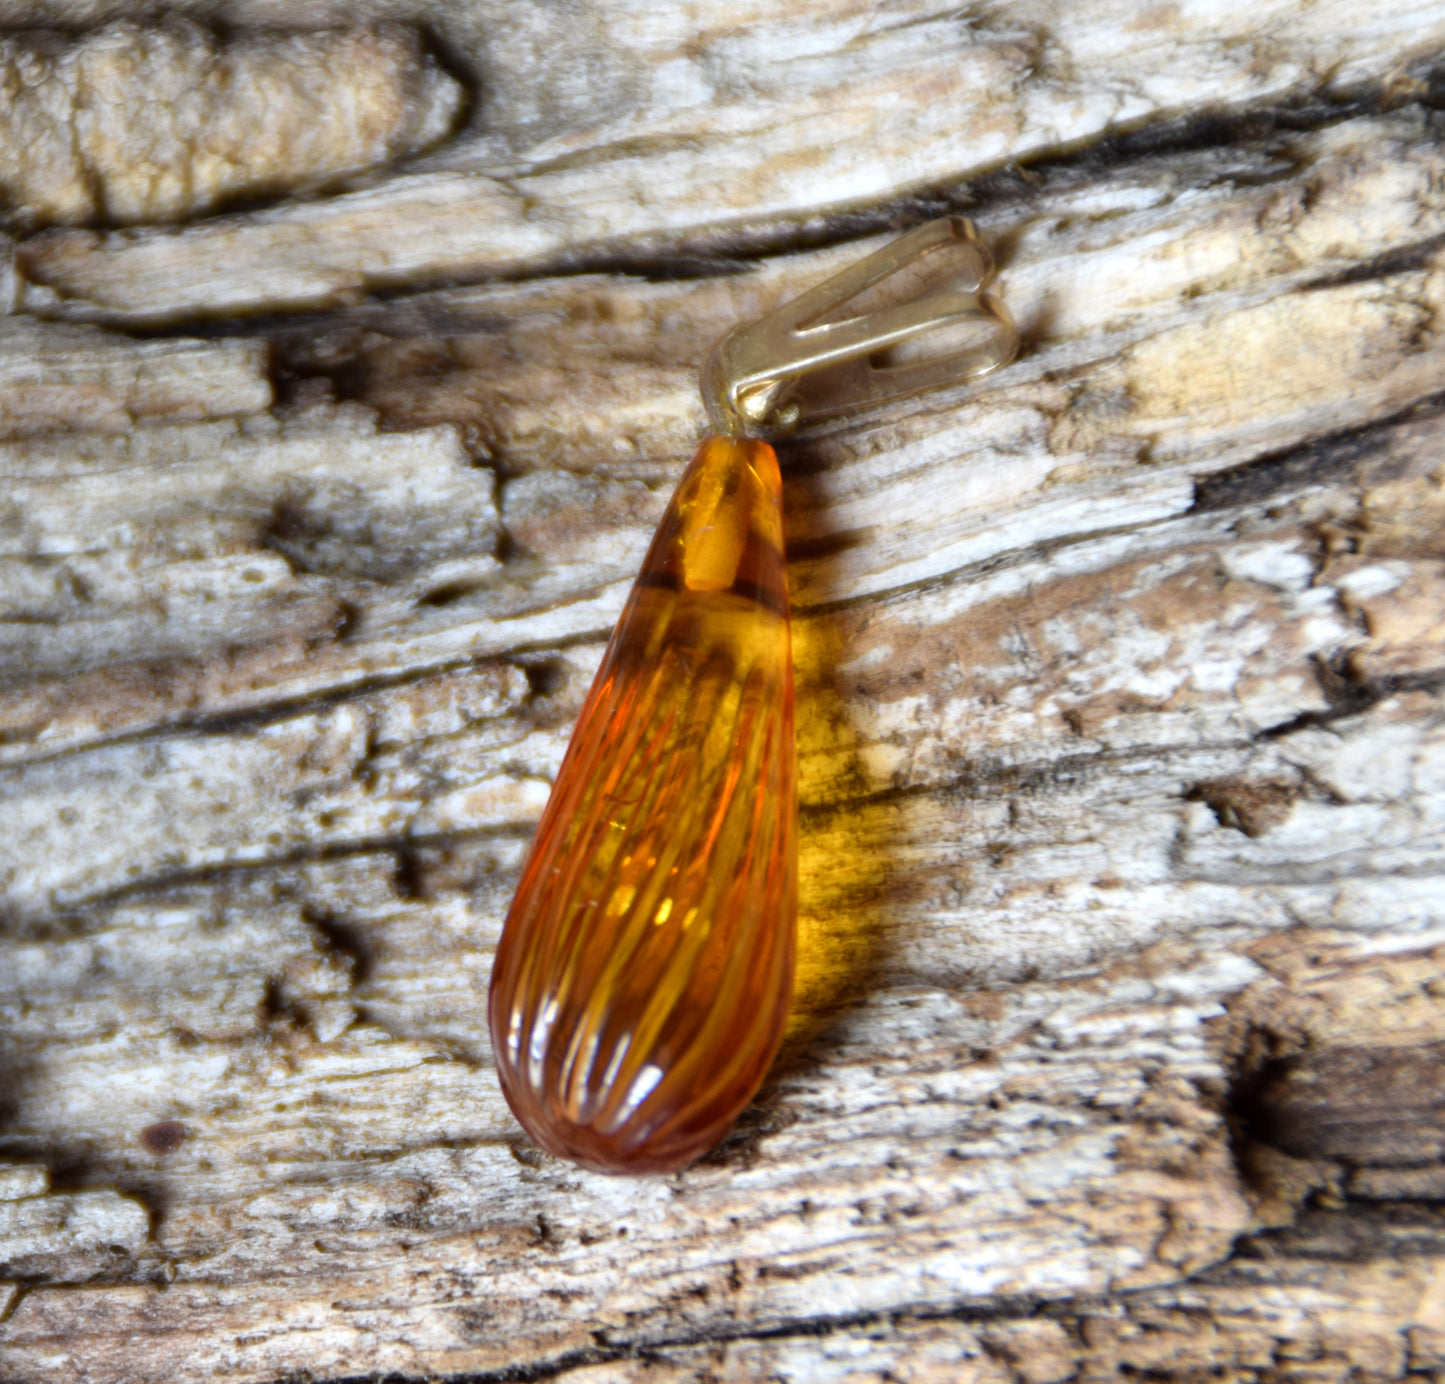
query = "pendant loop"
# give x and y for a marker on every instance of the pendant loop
(751, 378)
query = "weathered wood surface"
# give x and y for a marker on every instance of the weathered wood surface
(1121, 1019)
(134, 123)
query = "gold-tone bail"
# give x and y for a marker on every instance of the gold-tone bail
(750, 381)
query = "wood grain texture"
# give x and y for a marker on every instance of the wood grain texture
(135, 123)
(1121, 747)
(705, 127)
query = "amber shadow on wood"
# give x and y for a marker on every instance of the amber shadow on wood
(847, 835)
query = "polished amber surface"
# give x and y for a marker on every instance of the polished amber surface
(644, 974)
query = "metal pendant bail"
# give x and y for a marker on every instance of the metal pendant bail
(751, 382)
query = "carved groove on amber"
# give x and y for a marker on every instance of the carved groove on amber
(644, 974)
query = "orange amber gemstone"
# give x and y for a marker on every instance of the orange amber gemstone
(644, 974)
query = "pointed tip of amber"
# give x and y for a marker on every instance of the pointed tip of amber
(645, 971)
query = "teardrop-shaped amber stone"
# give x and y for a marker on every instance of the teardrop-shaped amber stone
(644, 973)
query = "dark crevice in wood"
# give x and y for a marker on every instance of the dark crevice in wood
(385, 847)
(1349, 695)
(18, 1069)
(450, 593)
(1251, 806)
(662, 266)
(1362, 1106)
(462, 67)
(1329, 459)
(22, 1291)
(342, 939)
(1350, 1234)
(1335, 1105)
(1401, 259)
(409, 878)
(545, 677)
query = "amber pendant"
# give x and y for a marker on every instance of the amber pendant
(643, 977)
(644, 974)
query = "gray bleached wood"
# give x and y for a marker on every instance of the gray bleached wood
(1122, 761)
